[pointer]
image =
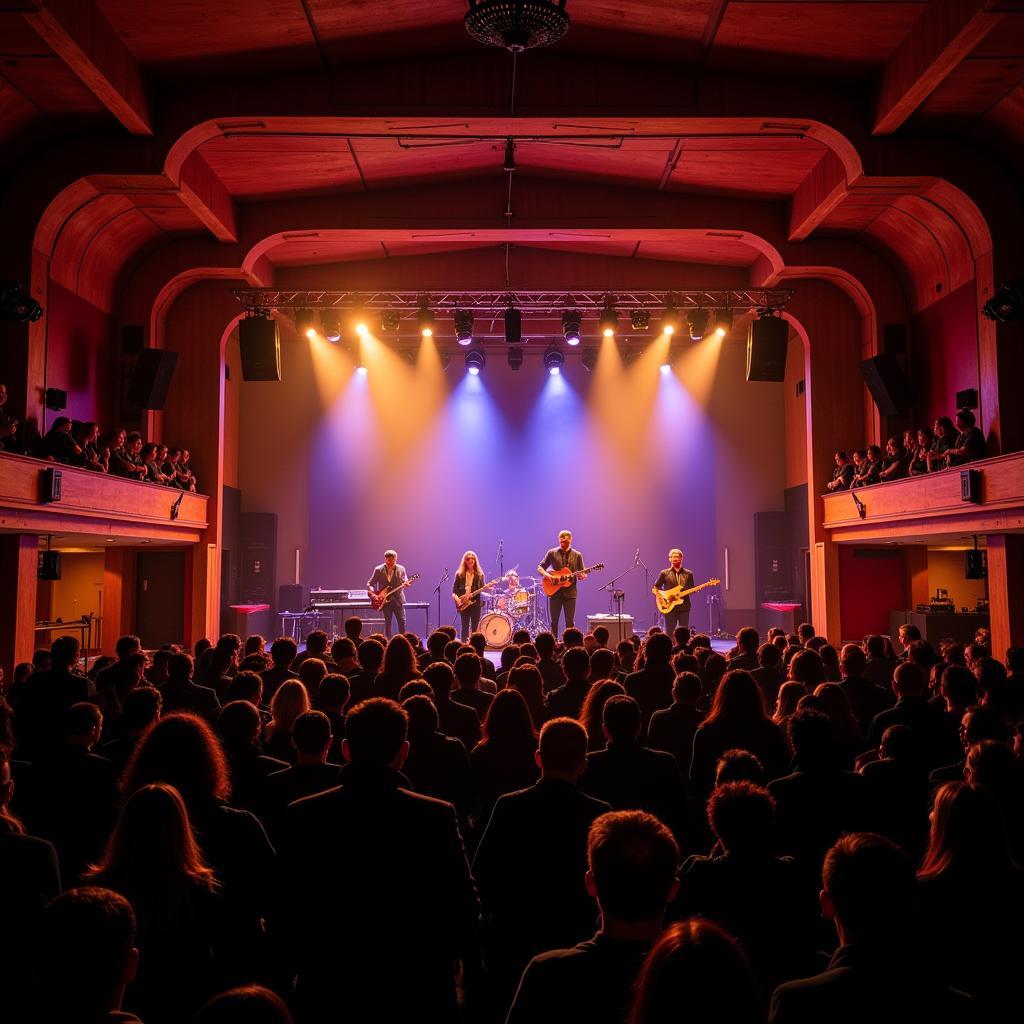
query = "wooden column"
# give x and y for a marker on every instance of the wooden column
(19, 555)
(118, 596)
(1006, 590)
(918, 589)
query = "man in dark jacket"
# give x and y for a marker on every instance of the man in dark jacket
(866, 698)
(181, 694)
(531, 861)
(376, 899)
(877, 974)
(672, 729)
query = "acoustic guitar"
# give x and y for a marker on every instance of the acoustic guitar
(669, 599)
(565, 577)
(467, 599)
(379, 598)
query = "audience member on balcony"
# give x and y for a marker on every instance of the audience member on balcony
(871, 468)
(186, 478)
(121, 463)
(150, 459)
(895, 464)
(59, 445)
(969, 444)
(842, 475)
(86, 435)
(919, 454)
(945, 435)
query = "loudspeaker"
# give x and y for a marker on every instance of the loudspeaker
(152, 378)
(56, 399)
(967, 399)
(291, 597)
(970, 485)
(975, 565)
(257, 545)
(50, 482)
(259, 345)
(887, 384)
(49, 565)
(773, 575)
(767, 341)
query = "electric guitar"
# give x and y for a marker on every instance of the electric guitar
(565, 577)
(381, 597)
(467, 599)
(669, 599)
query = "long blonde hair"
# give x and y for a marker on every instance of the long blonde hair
(476, 563)
(290, 701)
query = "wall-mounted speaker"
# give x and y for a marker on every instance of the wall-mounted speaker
(975, 565)
(56, 399)
(887, 383)
(967, 399)
(152, 377)
(767, 341)
(259, 345)
(970, 485)
(49, 565)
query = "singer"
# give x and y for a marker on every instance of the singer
(675, 576)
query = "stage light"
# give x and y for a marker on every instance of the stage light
(464, 326)
(305, 322)
(515, 357)
(361, 328)
(1007, 304)
(554, 360)
(425, 320)
(361, 370)
(331, 320)
(475, 360)
(588, 357)
(674, 351)
(639, 319)
(698, 322)
(17, 305)
(723, 322)
(513, 326)
(670, 320)
(389, 321)
(571, 326)
(609, 320)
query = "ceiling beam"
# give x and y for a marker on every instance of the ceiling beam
(81, 36)
(205, 195)
(817, 196)
(945, 33)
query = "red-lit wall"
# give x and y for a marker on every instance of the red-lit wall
(79, 356)
(944, 353)
(872, 582)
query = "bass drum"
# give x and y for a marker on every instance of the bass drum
(496, 628)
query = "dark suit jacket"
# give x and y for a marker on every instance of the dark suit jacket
(379, 581)
(530, 866)
(184, 695)
(376, 900)
(475, 583)
(651, 688)
(863, 984)
(672, 730)
(669, 579)
(285, 787)
(936, 732)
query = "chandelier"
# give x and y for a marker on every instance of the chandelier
(517, 25)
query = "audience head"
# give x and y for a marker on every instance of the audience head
(852, 660)
(64, 653)
(696, 972)
(87, 952)
(423, 721)
(813, 739)
(290, 700)
(981, 723)
(686, 688)
(311, 735)
(441, 677)
(769, 656)
(82, 724)
(968, 833)
(742, 818)
(238, 725)
(343, 649)
(737, 765)
(869, 889)
(180, 667)
(601, 635)
(250, 1004)
(419, 685)
(545, 644)
(311, 675)
(334, 692)
(658, 650)
(375, 734)
(451, 650)
(562, 751)
(507, 721)
(316, 643)
(621, 719)
(899, 743)
(371, 655)
(737, 699)
(245, 686)
(602, 663)
(572, 637)
(958, 687)
(805, 631)
(874, 645)
(806, 667)
(631, 866)
(576, 663)
(468, 670)
(908, 680)
(747, 640)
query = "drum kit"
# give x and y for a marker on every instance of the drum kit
(510, 606)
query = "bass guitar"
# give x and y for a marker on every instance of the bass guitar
(669, 599)
(379, 598)
(462, 603)
(565, 578)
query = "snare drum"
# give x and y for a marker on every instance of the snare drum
(520, 601)
(496, 628)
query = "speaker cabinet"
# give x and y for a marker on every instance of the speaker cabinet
(291, 597)
(767, 341)
(259, 345)
(49, 565)
(152, 378)
(257, 543)
(887, 383)
(975, 565)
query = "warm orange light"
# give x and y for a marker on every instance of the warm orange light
(428, 332)
(362, 330)
(311, 333)
(669, 329)
(720, 331)
(609, 332)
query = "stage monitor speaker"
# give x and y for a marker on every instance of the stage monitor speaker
(152, 378)
(259, 345)
(975, 565)
(291, 597)
(767, 341)
(49, 565)
(611, 623)
(887, 383)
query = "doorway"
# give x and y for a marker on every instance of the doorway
(160, 597)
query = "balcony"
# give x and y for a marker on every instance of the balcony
(929, 506)
(95, 504)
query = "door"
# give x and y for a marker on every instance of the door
(160, 597)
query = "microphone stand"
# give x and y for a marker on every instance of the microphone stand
(647, 580)
(437, 590)
(619, 595)
(501, 557)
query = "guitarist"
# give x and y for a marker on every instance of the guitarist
(385, 576)
(467, 579)
(676, 576)
(562, 557)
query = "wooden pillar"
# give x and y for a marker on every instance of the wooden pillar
(118, 596)
(1006, 591)
(19, 556)
(918, 590)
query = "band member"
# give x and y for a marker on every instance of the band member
(562, 557)
(385, 576)
(467, 579)
(676, 576)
